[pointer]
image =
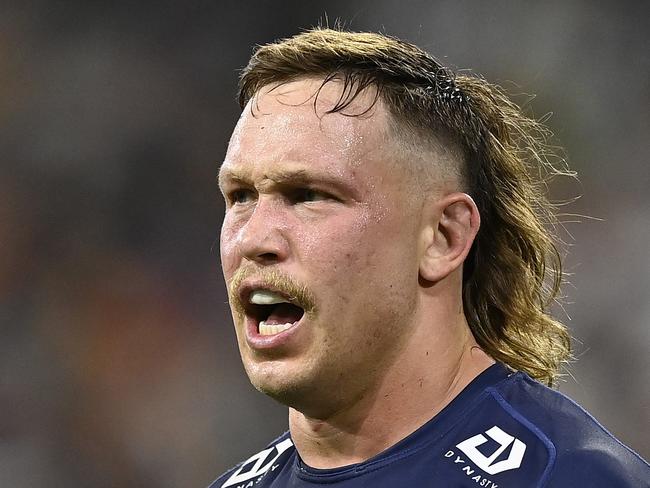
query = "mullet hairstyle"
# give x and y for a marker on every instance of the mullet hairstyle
(514, 270)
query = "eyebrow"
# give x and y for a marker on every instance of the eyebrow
(289, 176)
(234, 175)
(278, 176)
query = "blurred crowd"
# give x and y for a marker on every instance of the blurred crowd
(118, 364)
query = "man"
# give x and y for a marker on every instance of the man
(388, 272)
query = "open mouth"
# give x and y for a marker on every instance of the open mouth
(272, 312)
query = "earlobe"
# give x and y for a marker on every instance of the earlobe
(447, 235)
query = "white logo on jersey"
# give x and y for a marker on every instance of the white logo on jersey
(487, 464)
(257, 469)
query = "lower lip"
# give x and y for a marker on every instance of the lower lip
(261, 342)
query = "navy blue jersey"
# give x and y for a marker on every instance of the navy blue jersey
(504, 430)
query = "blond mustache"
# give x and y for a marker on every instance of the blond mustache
(298, 293)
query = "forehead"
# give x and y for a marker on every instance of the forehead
(289, 123)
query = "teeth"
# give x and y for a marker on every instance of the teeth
(272, 329)
(265, 297)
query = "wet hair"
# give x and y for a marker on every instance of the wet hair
(514, 270)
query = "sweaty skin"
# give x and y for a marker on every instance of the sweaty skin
(318, 202)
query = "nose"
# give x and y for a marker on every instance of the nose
(262, 239)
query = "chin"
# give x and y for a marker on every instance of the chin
(283, 386)
(287, 393)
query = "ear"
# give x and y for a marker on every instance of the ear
(449, 228)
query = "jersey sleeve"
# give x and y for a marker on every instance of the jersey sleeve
(586, 454)
(601, 464)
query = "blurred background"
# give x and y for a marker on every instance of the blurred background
(118, 365)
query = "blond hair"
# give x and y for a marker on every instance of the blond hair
(514, 270)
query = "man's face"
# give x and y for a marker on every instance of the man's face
(321, 216)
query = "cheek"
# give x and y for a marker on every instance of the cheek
(371, 256)
(342, 253)
(333, 244)
(228, 247)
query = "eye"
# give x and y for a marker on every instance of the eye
(240, 196)
(302, 195)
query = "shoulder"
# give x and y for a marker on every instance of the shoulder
(581, 450)
(252, 470)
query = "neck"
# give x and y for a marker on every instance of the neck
(427, 376)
